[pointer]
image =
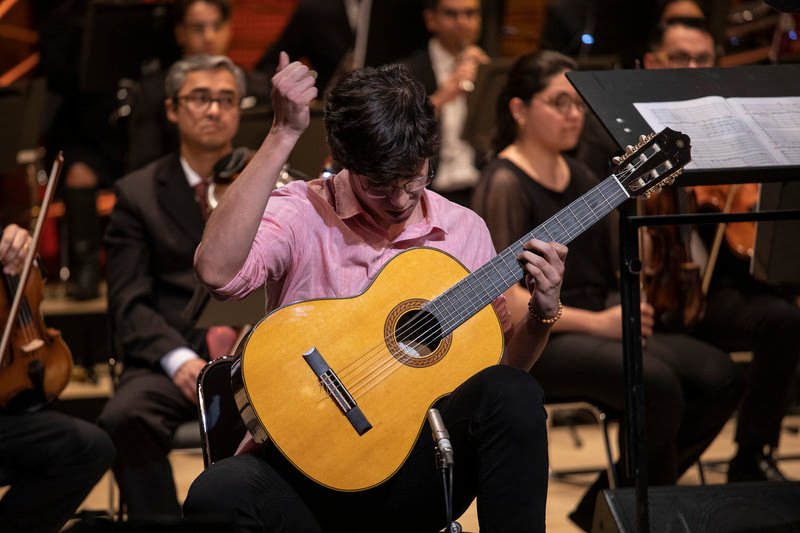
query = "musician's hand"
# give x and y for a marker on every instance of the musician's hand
(544, 268)
(293, 90)
(186, 378)
(462, 79)
(608, 322)
(13, 248)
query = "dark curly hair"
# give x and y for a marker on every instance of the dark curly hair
(381, 124)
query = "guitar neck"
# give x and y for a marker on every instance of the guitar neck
(456, 305)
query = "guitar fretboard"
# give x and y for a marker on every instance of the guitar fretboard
(476, 291)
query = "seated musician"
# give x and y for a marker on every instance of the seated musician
(51, 460)
(155, 227)
(741, 314)
(328, 238)
(691, 387)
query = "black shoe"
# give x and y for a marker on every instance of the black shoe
(757, 466)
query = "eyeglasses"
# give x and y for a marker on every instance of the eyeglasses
(455, 13)
(683, 60)
(411, 186)
(563, 103)
(201, 101)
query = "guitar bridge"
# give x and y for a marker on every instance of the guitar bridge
(337, 391)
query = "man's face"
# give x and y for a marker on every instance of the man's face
(394, 205)
(682, 47)
(456, 23)
(203, 31)
(206, 110)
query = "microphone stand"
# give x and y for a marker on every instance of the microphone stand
(444, 463)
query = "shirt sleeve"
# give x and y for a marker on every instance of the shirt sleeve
(271, 254)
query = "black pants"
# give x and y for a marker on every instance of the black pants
(141, 418)
(751, 317)
(690, 387)
(497, 425)
(51, 461)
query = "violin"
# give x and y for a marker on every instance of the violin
(35, 362)
(739, 236)
(228, 168)
(671, 281)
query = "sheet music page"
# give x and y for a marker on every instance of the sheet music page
(776, 121)
(720, 137)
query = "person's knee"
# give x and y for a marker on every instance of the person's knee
(518, 397)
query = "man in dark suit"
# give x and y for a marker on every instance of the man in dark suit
(447, 68)
(155, 227)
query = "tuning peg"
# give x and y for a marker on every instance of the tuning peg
(643, 139)
(617, 159)
(629, 149)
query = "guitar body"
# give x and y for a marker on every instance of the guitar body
(281, 398)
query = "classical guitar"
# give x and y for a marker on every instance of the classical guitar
(342, 385)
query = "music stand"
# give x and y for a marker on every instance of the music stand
(203, 311)
(611, 95)
(311, 150)
(775, 259)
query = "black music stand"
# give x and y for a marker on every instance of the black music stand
(204, 311)
(611, 95)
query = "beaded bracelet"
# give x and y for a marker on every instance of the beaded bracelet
(549, 321)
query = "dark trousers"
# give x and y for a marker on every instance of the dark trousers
(751, 317)
(690, 387)
(496, 422)
(141, 418)
(51, 461)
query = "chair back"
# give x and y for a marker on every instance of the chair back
(221, 426)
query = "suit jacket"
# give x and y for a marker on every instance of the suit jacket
(154, 229)
(419, 63)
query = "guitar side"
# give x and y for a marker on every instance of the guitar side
(282, 399)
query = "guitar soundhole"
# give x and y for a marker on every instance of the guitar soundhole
(414, 336)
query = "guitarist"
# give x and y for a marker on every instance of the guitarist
(328, 238)
(51, 460)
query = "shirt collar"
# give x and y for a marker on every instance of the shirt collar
(191, 176)
(442, 61)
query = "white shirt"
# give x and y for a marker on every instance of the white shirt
(456, 168)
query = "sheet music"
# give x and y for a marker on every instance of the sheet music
(732, 133)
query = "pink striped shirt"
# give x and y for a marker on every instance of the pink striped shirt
(316, 241)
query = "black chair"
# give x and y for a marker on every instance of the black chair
(221, 426)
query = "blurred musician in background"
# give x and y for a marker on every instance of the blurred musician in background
(447, 68)
(51, 460)
(741, 314)
(155, 227)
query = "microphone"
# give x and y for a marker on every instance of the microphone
(440, 435)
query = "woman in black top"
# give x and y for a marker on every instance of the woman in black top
(691, 387)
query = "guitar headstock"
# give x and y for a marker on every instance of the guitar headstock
(654, 162)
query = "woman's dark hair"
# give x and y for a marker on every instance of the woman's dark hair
(529, 75)
(183, 6)
(381, 124)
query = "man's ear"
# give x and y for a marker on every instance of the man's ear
(650, 61)
(169, 105)
(429, 17)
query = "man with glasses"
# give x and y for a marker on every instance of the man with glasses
(155, 227)
(329, 238)
(447, 68)
(201, 27)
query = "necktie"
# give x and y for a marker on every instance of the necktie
(200, 195)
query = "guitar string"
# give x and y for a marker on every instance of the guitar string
(389, 363)
(380, 373)
(423, 336)
(427, 336)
